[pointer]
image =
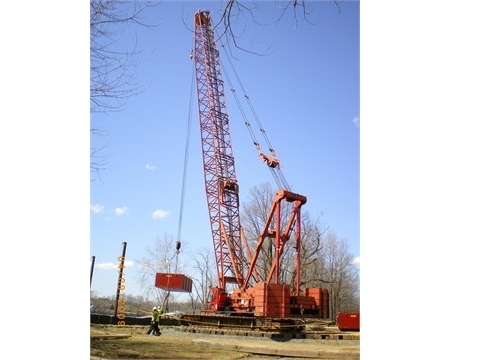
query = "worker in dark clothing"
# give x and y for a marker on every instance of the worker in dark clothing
(155, 322)
(153, 325)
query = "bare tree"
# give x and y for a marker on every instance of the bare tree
(204, 271)
(311, 247)
(236, 13)
(160, 258)
(112, 72)
(341, 274)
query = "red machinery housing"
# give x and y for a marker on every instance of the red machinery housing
(235, 261)
(348, 321)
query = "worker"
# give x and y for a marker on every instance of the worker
(159, 314)
(154, 329)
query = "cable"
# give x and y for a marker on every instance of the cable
(185, 164)
(272, 161)
(183, 187)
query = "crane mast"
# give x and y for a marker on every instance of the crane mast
(218, 162)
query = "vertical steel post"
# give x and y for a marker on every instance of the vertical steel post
(120, 277)
(91, 269)
(298, 249)
(278, 247)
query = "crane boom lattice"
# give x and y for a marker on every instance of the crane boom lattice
(218, 161)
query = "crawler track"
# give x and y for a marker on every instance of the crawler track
(247, 322)
(278, 329)
(320, 335)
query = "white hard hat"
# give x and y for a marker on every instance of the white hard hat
(154, 308)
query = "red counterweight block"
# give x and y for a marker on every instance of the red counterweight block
(173, 282)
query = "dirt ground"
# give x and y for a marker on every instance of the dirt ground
(131, 342)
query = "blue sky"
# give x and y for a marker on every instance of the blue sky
(305, 91)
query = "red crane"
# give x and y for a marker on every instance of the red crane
(235, 261)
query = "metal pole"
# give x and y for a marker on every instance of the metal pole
(120, 277)
(91, 269)
(298, 250)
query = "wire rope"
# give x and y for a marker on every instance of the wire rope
(185, 166)
(273, 162)
(183, 188)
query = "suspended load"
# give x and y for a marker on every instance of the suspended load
(173, 282)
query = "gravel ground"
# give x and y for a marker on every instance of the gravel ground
(256, 348)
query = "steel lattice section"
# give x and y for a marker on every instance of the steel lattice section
(218, 161)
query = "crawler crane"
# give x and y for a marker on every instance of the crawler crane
(236, 263)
